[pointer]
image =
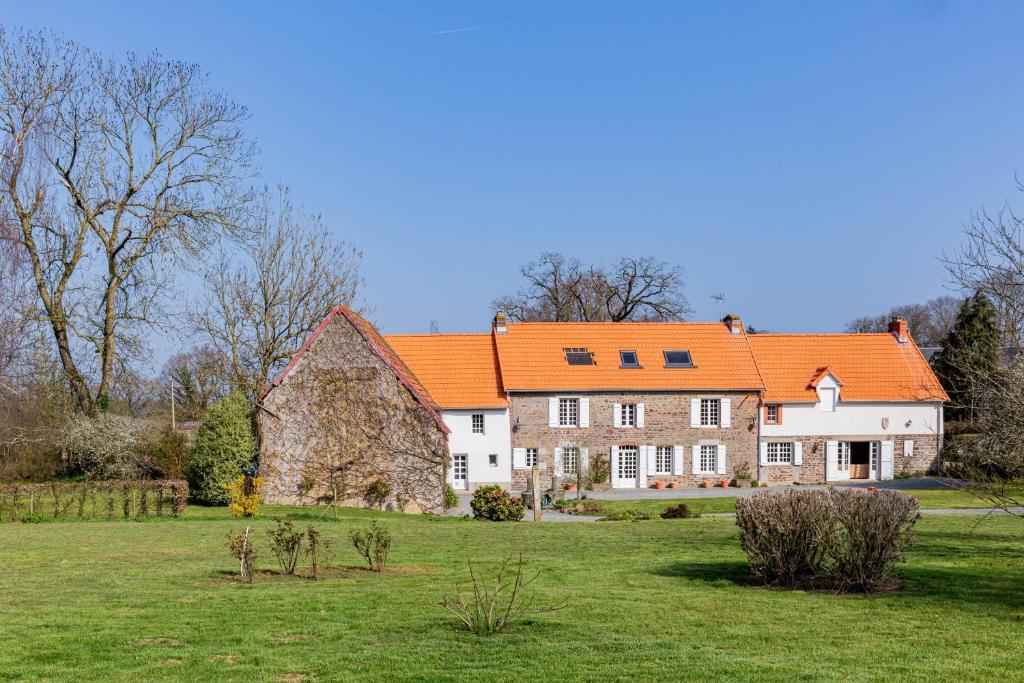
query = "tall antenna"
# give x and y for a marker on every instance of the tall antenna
(720, 298)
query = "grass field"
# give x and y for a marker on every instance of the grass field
(155, 600)
(930, 499)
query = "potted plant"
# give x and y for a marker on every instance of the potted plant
(659, 484)
(743, 476)
(673, 484)
(725, 483)
(570, 486)
(705, 484)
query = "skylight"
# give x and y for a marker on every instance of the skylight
(579, 357)
(629, 359)
(678, 359)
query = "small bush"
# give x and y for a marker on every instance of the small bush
(224, 449)
(451, 500)
(494, 504)
(313, 549)
(171, 454)
(244, 496)
(493, 608)
(875, 529)
(242, 549)
(286, 543)
(627, 516)
(583, 506)
(681, 511)
(374, 544)
(377, 493)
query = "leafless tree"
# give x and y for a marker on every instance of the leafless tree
(563, 290)
(929, 322)
(112, 171)
(198, 378)
(262, 304)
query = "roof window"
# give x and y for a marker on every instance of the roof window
(678, 359)
(628, 359)
(579, 357)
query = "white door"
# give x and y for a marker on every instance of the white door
(837, 460)
(875, 448)
(886, 461)
(629, 460)
(460, 471)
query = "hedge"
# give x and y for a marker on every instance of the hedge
(59, 501)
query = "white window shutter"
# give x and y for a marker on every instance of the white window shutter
(617, 415)
(798, 453)
(831, 460)
(696, 459)
(553, 412)
(908, 448)
(584, 412)
(763, 454)
(677, 460)
(613, 466)
(519, 458)
(639, 414)
(557, 462)
(695, 412)
(720, 469)
(451, 476)
(584, 460)
(726, 416)
(652, 454)
(886, 459)
(641, 466)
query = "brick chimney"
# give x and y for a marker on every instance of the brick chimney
(500, 323)
(898, 328)
(734, 323)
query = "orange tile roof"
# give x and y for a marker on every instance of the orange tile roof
(873, 367)
(532, 356)
(459, 370)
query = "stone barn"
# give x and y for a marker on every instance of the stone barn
(347, 423)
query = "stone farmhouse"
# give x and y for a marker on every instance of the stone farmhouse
(641, 403)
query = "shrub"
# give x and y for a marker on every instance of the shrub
(493, 503)
(171, 454)
(681, 511)
(242, 549)
(107, 446)
(313, 549)
(627, 516)
(377, 493)
(244, 496)
(451, 500)
(93, 499)
(374, 544)
(224, 448)
(286, 543)
(493, 608)
(584, 506)
(847, 539)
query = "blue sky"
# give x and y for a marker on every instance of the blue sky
(809, 160)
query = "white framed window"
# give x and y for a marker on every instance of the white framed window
(875, 450)
(663, 460)
(629, 415)
(629, 456)
(478, 423)
(570, 460)
(710, 412)
(531, 457)
(780, 453)
(844, 456)
(708, 459)
(568, 412)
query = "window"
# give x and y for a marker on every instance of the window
(570, 460)
(492, 459)
(478, 423)
(628, 359)
(579, 357)
(844, 456)
(663, 460)
(710, 411)
(780, 453)
(771, 414)
(708, 459)
(678, 359)
(629, 415)
(531, 457)
(568, 412)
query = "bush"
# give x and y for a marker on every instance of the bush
(93, 500)
(374, 544)
(108, 446)
(171, 454)
(286, 543)
(583, 506)
(494, 504)
(224, 448)
(681, 511)
(242, 549)
(244, 496)
(450, 499)
(377, 493)
(846, 539)
(627, 516)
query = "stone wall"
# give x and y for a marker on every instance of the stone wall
(341, 421)
(812, 471)
(667, 423)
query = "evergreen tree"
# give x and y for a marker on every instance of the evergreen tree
(969, 356)
(224, 448)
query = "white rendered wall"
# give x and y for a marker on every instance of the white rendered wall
(853, 419)
(497, 439)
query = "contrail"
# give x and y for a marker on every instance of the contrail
(460, 30)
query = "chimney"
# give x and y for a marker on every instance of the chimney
(500, 324)
(898, 328)
(734, 323)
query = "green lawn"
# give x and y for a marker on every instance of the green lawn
(153, 600)
(937, 499)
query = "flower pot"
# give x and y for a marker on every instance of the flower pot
(725, 483)
(705, 484)
(673, 484)
(872, 488)
(659, 484)
(570, 486)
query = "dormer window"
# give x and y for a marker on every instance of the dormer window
(628, 359)
(678, 359)
(579, 357)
